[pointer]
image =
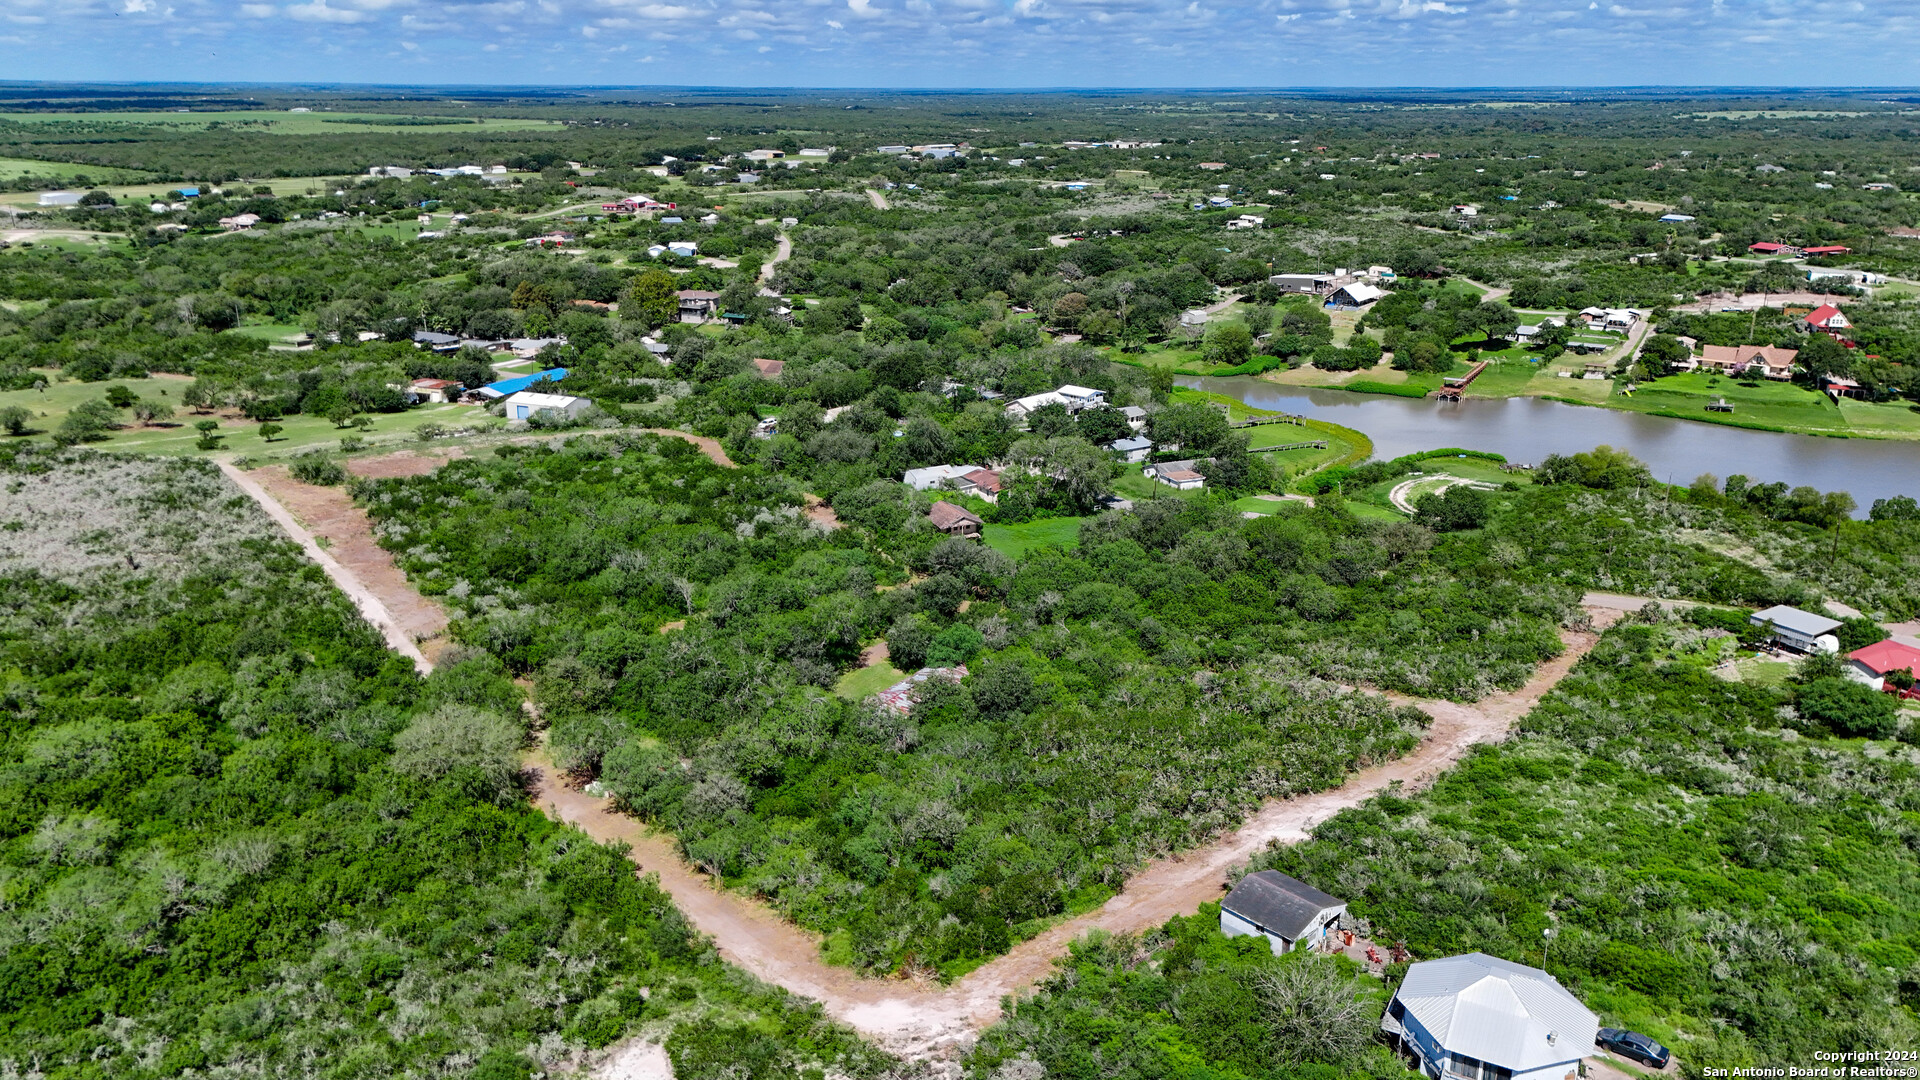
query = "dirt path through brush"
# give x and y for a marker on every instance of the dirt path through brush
(919, 1019)
(922, 1020)
(355, 563)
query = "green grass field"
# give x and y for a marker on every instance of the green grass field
(1014, 541)
(277, 123)
(13, 168)
(861, 683)
(177, 436)
(269, 331)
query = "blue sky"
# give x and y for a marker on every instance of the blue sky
(969, 43)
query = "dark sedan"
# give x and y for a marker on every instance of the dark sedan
(1634, 1045)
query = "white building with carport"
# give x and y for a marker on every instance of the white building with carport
(1478, 1017)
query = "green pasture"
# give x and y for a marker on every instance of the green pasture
(862, 683)
(1014, 541)
(14, 168)
(177, 435)
(278, 123)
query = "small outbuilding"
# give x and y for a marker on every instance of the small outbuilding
(1355, 296)
(955, 520)
(1478, 1017)
(1288, 912)
(526, 405)
(1798, 630)
(1178, 475)
(1133, 448)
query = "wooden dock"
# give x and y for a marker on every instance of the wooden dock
(1311, 444)
(1261, 421)
(1454, 387)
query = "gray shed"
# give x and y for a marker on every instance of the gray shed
(1287, 911)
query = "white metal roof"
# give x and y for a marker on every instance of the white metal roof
(1794, 620)
(541, 401)
(1070, 390)
(934, 475)
(1498, 1011)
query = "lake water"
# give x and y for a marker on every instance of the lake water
(1528, 429)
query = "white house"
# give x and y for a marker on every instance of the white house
(934, 476)
(60, 198)
(1178, 475)
(1288, 912)
(1136, 417)
(1618, 320)
(1802, 631)
(1073, 397)
(1355, 296)
(1478, 1017)
(526, 405)
(1132, 449)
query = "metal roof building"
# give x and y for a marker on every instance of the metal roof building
(509, 387)
(1478, 1017)
(1287, 911)
(1794, 628)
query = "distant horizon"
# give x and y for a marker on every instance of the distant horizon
(951, 45)
(497, 87)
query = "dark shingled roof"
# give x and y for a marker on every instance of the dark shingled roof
(1278, 903)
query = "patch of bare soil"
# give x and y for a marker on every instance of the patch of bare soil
(329, 514)
(875, 653)
(820, 513)
(403, 462)
(707, 446)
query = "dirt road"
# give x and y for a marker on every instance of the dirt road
(922, 1020)
(915, 1019)
(416, 615)
(780, 254)
(879, 199)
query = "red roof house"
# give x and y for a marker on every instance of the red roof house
(1829, 249)
(1874, 663)
(1825, 317)
(985, 482)
(1765, 247)
(769, 369)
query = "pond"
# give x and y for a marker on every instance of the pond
(1528, 429)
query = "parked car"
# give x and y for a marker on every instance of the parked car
(1634, 1045)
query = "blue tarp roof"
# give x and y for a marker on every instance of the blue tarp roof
(520, 382)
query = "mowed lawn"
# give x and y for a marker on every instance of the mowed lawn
(177, 436)
(862, 683)
(1014, 541)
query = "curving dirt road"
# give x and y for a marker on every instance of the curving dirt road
(879, 199)
(920, 1020)
(923, 1020)
(781, 254)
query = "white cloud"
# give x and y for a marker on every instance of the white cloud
(318, 11)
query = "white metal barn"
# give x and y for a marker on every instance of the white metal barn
(1478, 1017)
(526, 405)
